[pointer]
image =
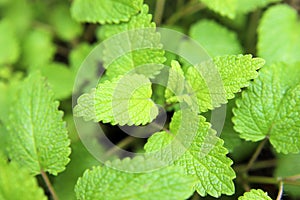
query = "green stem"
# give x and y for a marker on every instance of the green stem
(190, 8)
(250, 43)
(256, 154)
(257, 165)
(159, 10)
(271, 180)
(49, 185)
(122, 144)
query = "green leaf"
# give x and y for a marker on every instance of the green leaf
(288, 166)
(38, 49)
(205, 157)
(225, 8)
(17, 183)
(125, 100)
(270, 107)
(60, 78)
(231, 8)
(81, 159)
(103, 11)
(215, 39)
(38, 138)
(255, 194)
(65, 27)
(281, 24)
(9, 45)
(109, 183)
(145, 54)
(235, 73)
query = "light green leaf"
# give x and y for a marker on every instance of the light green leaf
(9, 45)
(205, 158)
(175, 82)
(60, 78)
(77, 56)
(278, 35)
(231, 8)
(235, 72)
(108, 183)
(17, 183)
(270, 108)
(103, 11)
(81, 159)
(138, 50)
(255, 194)
(226, 8)
(215, 39)
(65, 27)
(38, 49)
(38, 138)
(288, 166)
(245, 6)
(125, 100)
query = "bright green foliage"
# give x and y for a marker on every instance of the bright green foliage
(288, 166)
(38, 138)
(270, 108)
(230, 8)
(60, 78)
(175, 82)
(225, 8)
(16, 183)
(255, 194)
(9, 45)
(81, 160)
(281, 24)
(38, 49)
(103, 11)
(235, 73)
(108, 183)
(205, 157)
(65, 27)
(124, 100)
(145, 48)
(215, 39)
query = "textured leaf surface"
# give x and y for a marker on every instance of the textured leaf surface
(230, 8)
(125, 100)
(270, 108)
(288, 166)
(225, 8)
(138, 50)
(38, 138)
(103, 11)
(17, 183)
(284, 23)
(235, 72)
(108, 183)
(205, 158)
(255, 194)
(215, 39)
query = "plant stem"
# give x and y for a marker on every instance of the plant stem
(122, 144)
(280, 191)
(251, 32)
(159, 10)
(49, 185)
(271, 180)
(190, 8)
(256, 154)
(257, 165)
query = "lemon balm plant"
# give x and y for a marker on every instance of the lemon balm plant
(158, 114)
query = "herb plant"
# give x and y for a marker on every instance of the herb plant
(226, 127)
